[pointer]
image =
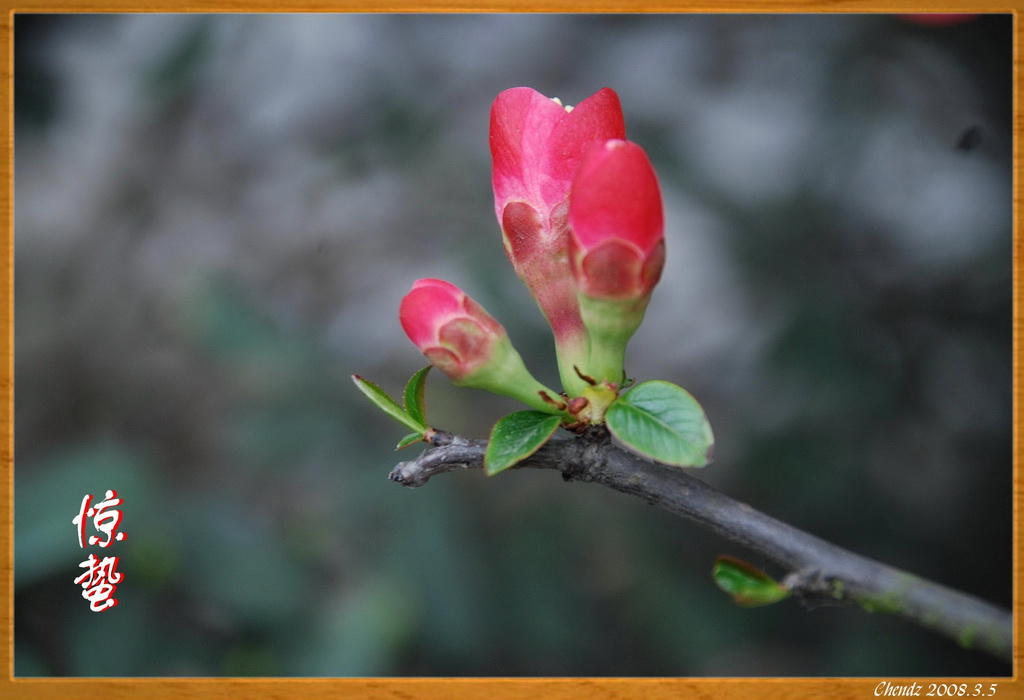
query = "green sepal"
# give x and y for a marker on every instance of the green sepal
(408, 440)
(517, 436)
(387, 404)
(660, 420)
(415, 392)
(505, 374)
(748, 585)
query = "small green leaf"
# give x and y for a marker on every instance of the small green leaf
(748, 585)
(517, 436)
(662, 421)
(414, 395)
(387, 404)
(408, 440)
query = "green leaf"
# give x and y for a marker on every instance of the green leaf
(748, 585)
(517, 436)
(662, 421)
(408, 440)
(387, 404)
(414, 396)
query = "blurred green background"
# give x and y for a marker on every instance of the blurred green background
(216, 217)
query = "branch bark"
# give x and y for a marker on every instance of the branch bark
(817, 569)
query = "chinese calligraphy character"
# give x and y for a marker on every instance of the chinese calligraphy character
(101, 575)
(105, 517)
(99, 581)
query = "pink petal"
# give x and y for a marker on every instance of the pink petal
(427, 306)
(615, 195)
(521, 123)
(536, 145)
(597, 118)
(438, 284)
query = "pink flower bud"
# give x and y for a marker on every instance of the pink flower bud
(536, 145)
(452, 330)
(617, 245)
(467, 344)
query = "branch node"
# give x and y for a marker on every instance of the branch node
(439, 438)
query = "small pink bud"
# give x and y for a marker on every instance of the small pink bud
(467, 344)
(617, 245)
(452, 330)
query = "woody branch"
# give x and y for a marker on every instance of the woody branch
(816, 569)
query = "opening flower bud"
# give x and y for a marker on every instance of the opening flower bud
(462, 340)
(536, 146)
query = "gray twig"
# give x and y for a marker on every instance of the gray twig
(817, 569)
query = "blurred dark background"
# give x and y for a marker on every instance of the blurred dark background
(216, 217)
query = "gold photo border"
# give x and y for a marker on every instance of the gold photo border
(455, 688)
